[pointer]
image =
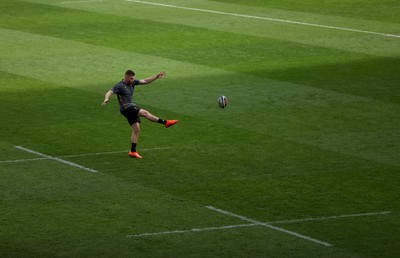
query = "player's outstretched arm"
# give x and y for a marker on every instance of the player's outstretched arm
(107, 97)
(153, 78)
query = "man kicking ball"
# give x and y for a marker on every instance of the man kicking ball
(124, 90)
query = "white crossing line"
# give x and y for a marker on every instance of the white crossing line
(265, 18)
(57, 159)
(270, 226)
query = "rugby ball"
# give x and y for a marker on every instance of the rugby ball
(222, 101)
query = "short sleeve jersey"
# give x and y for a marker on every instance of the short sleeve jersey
(125, 94)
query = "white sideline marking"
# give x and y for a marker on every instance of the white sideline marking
(266, 18)
(269, 226)
(257, 224)
(331, 217)
(83, 155)
(193, 230)
(112, 152)
(57, 159)
(20, 160)
(93, 154)
(78, 2)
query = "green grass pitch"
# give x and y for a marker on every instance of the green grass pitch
(303, 162)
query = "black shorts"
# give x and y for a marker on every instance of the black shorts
(132, 114)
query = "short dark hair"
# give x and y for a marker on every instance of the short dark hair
(130, 73)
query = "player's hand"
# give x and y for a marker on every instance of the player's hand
(161, 75)
(104, 102)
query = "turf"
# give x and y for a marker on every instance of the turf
(311, 129)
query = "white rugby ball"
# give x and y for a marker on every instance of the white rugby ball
(222, 101)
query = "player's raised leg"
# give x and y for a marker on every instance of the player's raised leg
(153, 118)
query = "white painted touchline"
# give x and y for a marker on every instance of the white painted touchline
(257, 224)
(331, 217)
(112, 152)
(79, 2)
(20, 160)
(57, 159)
(269, 226)
(265, 18)
(193, 230)
(83, 155)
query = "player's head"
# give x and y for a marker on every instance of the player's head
(129, 77)
(130, 73)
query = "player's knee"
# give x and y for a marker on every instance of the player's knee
(135, 128)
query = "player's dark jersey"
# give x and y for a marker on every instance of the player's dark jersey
(125, 94)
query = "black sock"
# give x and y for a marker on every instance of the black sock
(161, 121)
(133, 147)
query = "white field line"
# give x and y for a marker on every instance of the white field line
(93, 154)
(20, 160)
(331, 217)
(193, 230)
(269, 226)
(57, 159)
(79, 2)
(257, 224)
(265, 18)
(112, 152)
(82, 155)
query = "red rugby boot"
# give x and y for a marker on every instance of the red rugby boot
(134, 155)
(170, 122)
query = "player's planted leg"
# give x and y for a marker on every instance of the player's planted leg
(134, 139)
